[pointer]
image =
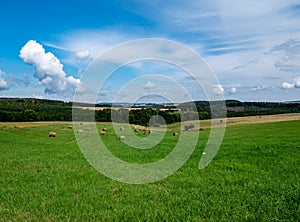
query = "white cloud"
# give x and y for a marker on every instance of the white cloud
(263, 70)
(94, 42)
(48, 69)
(83, 55)
(232, 90)
(297, 82)
(9, 80)
(81, 46)
(286, 85)
(254, 43)
(164, 88)
(38, 96)
(260, 87)
(294, 84)
(4, 85)
(218, 89)
(149, 85)
(289, 61)
(233, 32)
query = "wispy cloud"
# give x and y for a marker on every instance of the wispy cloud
(93, 41)
(233, 21)
(149, 85)
(289, 61)
(4, 84)
(9, 80)
(254, 43)
(260, 88)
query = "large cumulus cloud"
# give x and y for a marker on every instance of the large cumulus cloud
(48, 69)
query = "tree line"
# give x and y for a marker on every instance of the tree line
(20, 110)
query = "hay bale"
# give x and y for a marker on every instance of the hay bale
(136, 130)
(175, 134)
(104, 129)
(79, 131)
(70, 127)
(122, 137)
(52, 134)
(88, 129)
(103, 133)
(122, 129)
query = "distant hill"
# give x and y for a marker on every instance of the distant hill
(297, 101)
(238, 108)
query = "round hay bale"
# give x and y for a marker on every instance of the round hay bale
(175, 134)
(70, 127)
(52, 134)
(103, 133)
(104, 129)
(79, 131)
(122, 137)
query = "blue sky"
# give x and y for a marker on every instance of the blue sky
(253, 47)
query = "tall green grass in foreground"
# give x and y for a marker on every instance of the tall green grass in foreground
(255, 176)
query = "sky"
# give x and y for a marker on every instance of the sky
(252, 48)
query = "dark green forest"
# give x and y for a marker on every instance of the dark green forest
(29, 109)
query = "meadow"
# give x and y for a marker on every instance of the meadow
(254, 177)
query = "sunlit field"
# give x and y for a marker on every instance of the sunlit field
(254, 176)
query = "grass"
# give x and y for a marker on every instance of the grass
(254, 177)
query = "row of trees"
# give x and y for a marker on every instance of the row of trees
(33, 115)
(141, 117)
(18, 110)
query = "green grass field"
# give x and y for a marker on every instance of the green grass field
(254, 177)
